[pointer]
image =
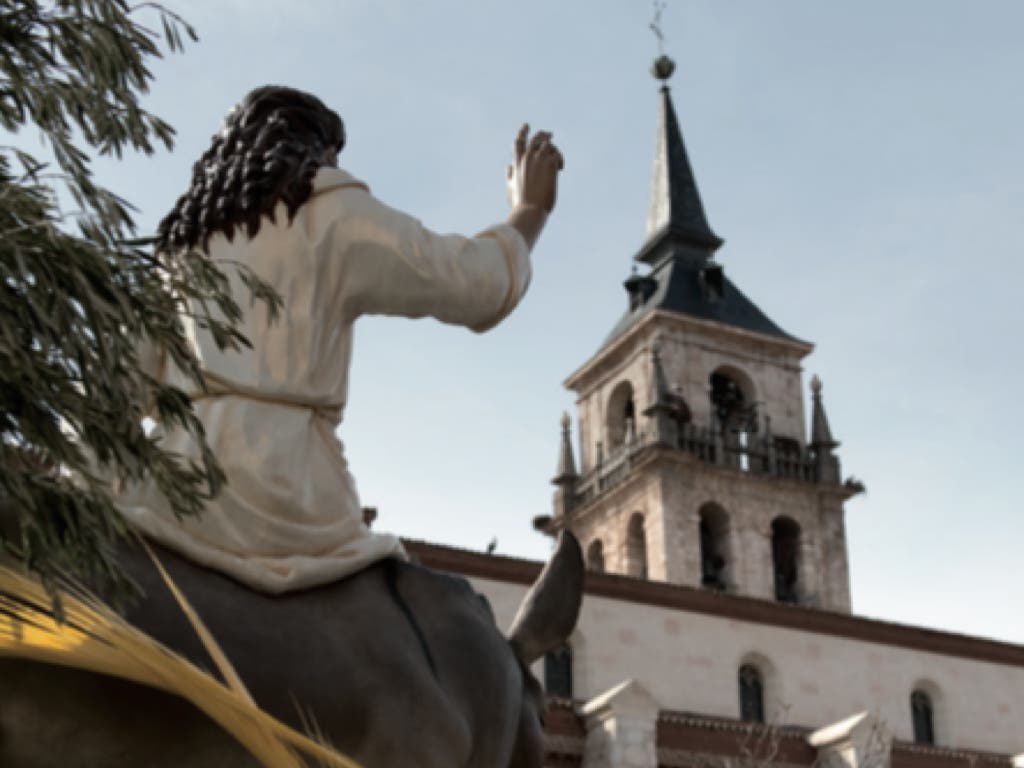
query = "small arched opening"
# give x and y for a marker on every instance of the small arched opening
(786, 559)
(636, 547)
(751, 689)
(734, 407)
(922, 713)
(714, 547)
(558, 672)
(595, 556)
(620, 419)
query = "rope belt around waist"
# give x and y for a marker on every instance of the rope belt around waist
(218, 387)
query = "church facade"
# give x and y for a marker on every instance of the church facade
(716, 627)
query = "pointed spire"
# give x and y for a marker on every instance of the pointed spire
(822, 444)
(676, 208)
(664, 409)
(566, 473)
(821, 435)
(566, 477)
(660, 395)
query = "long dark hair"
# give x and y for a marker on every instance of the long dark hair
(267, 152)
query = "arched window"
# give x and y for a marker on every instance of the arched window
(636, 547)
(733, 403)
(558, 672)
(714, 547)
(751, 694)
(621, 415)
(786, 559)
(595, 556)
(923, 716)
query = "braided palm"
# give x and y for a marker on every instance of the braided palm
(267, 152)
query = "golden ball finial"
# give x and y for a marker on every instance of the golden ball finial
(663, 67)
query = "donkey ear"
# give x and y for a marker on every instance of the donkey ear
(549, 611)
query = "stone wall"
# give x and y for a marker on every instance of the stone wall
(669, 492)
(608, 522)
(691, 350)
(592, 406)
(670, 488)
(689, 662)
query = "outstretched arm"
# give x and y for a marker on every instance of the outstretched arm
(393, 265)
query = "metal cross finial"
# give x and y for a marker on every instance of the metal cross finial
(663, 65)
(655, 25)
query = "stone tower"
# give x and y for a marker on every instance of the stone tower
(696, 466)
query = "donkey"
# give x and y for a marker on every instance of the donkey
(397, 665)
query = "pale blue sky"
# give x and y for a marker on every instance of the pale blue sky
(863, 160)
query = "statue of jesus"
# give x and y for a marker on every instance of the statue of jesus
(268, 194)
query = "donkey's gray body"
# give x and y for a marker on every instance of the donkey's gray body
(344, 657)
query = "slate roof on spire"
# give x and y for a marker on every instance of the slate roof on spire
(676, 210)
(700, 291)
(680, 244)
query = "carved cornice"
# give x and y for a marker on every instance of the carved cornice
(683, 735)
(907, 755)
(679, 733)
(610, 355)
(682, 598)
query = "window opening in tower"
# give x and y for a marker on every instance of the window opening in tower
(595, 556)
(636, 547)
(629, 418)
(785, 559)
(712, 559)
(735, 417)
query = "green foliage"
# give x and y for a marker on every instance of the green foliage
(81, 300)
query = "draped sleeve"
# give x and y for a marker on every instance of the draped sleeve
(390, 264)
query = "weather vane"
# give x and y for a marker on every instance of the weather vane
(655, 25)
(663, 65)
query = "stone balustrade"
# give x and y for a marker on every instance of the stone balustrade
(765, 455)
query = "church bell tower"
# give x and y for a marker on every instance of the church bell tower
(696, 464)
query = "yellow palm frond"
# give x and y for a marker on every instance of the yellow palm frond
(96, 639)
(225, 667)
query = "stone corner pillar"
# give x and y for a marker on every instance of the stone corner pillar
(860, 741)
(621, 728)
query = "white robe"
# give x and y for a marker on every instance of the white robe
(289, 516)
